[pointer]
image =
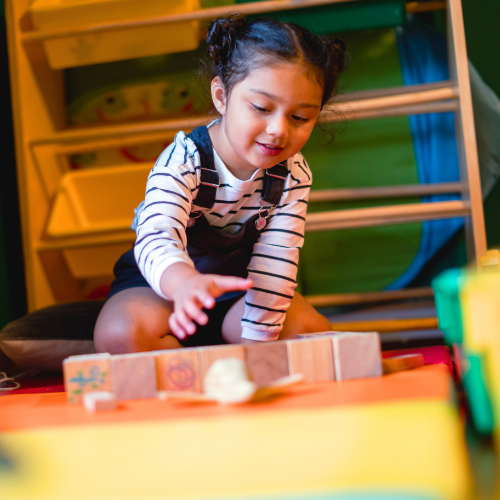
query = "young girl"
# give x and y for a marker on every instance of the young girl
(219, 231)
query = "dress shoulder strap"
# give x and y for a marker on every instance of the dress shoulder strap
(274, 183)
(209, 177)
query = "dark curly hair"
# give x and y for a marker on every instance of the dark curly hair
(237, 46)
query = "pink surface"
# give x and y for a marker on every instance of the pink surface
(434, 355)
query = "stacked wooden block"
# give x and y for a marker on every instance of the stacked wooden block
(339, 356)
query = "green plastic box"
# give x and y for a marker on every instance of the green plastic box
(350, 16)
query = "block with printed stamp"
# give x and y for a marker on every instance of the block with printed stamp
(87, 373)
(179, 370)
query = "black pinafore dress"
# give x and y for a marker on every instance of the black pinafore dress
(212, 250)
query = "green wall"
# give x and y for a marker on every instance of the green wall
(481, 26)
(483, 46)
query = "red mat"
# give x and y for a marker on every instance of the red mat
(38, 386)
(432, 356)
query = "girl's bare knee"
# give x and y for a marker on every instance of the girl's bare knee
(115, 337)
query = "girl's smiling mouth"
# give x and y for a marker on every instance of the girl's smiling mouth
(270, 149)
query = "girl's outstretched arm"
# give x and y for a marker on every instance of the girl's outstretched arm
(192, 291)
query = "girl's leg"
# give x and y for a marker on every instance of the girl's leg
(134, 320)
(301, 317)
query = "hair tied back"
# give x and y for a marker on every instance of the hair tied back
(222, 35)
(339, 50)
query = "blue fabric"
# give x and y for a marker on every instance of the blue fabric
(424, 59)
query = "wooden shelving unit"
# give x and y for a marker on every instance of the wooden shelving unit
(43, 141)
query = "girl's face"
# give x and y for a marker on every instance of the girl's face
(268, 118)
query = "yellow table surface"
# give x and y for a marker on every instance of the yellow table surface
(271, 450)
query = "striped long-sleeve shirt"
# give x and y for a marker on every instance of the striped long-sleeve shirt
(160, 224)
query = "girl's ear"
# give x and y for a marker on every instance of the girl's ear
(219, 95)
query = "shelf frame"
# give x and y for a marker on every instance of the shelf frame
(46, 140)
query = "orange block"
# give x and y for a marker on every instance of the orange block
(134, 376)
(179, 370)
(356, 355)
(313, 357)
(401, 363)
(86, 373)
(212, 353)
(267, 361)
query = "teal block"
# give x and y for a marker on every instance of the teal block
(476, 387)
(446, 288)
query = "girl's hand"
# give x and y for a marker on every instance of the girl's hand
(197, 291)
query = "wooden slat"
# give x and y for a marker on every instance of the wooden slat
(398, 90)
(378, 216)
(85, 241)
(416, 109)
(107, 132)
(197, 15)
(385, 192)
(466, 134)
(119, 142)
(340, 219)
(338, 299)
(387, 325)
(423, 98)
(413, 7)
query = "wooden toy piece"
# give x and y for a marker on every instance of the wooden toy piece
(356, 355)
(179, 370)
(309, 335)
(267, 361)
(86, 373)
(97, 401)
(134, 376)
(490, 261)
(212, 353)
(313, 357)
(401, 363)
(315, 335)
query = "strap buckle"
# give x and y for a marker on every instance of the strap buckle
(211, 174)
(275, 176)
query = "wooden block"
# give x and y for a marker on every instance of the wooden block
(401, 363)
(312, 357)
(97, 401)
(86, 373)
(212, 353)
(134, 376)
(179, 370)
(356, 355)
(317, 334)
(267, 361)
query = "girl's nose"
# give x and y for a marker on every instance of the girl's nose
(277, 127)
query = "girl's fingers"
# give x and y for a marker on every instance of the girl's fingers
(185, 322)
(194, 311)
(175, 327)
(206, 300)
(230, 283)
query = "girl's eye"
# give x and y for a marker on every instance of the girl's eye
(258, 108)
(300, 119)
